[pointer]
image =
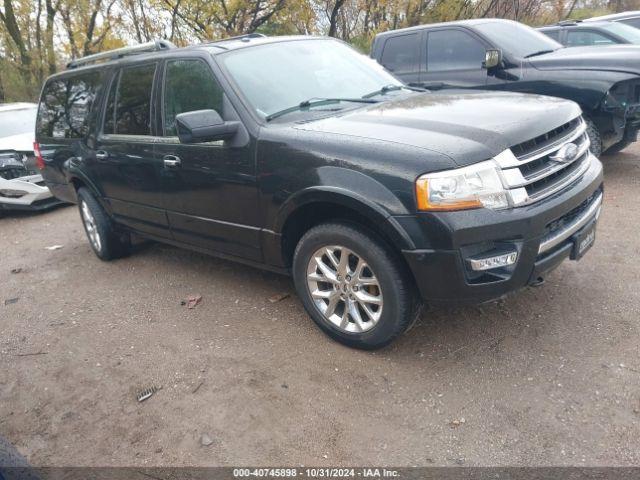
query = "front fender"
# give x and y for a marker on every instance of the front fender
(355, 191)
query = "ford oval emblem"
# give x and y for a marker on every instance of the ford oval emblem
(566, 154)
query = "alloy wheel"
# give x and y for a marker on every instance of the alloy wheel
(345, 289)
(90, 226)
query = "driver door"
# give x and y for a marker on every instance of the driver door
(454, 58)
(210, 188)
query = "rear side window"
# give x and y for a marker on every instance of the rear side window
(66, 104)
(129, 102)
(189, 86)
(454, 50)
(585, 38)
(401, 53)
(634, 22)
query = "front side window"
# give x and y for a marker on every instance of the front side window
(400, 54)
(454, 50)
(129, 102)
(189, 86)
(585, 38)
(554, 34)
(279, 75)
(66, 104)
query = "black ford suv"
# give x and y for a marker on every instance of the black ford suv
(299, 155)
(505, 55)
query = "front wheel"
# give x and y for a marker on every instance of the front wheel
(353, 286)
(595, 139)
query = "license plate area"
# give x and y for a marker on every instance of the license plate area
(583, 240)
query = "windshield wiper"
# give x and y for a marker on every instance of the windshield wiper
(314, 102)
(391, 88)
(541, 52)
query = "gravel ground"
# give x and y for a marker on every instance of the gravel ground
(547, 376)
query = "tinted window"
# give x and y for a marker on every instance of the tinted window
(453, 50)
(555, 34)
(131, 96)
(189, 86)
(400, 54)
(66, 104)
(580, 38)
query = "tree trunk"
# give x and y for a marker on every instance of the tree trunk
(9, 19)
(333, 19)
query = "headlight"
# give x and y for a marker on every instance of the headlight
(475, 186)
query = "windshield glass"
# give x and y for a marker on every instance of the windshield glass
(516, 39)
(630, 34)
(277, 76)
(15, 122)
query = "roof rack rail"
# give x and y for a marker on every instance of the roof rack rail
(569, 22)
(246, 37)
(153, 46)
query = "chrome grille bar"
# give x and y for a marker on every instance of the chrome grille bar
(556, 238)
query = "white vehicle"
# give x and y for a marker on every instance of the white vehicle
(21, 186)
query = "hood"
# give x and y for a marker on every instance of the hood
(22, 142)
(614, 58)
(468, 127)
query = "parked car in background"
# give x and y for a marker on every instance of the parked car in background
(601, 33)
(21, 185)
(631, 18)
(495, 54)
(300, 155)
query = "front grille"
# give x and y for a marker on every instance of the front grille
(11, 166)
(540, 167)
(570, 216)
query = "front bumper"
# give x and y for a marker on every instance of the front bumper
(36, 195)
(448, 240)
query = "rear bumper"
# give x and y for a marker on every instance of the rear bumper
(542, 234)
(33, 195)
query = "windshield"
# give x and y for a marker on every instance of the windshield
(516, 39)
(15, 122)
(630, 34)
(277, 76)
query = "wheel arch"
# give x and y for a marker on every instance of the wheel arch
(324, 204)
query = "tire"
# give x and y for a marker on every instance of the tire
(106, 242)
(618, 147)
(594, 137)
(382, 278)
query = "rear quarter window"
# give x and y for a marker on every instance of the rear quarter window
(400, 54)
(66, 104)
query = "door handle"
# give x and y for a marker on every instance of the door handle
(171, 161)
(102, 155)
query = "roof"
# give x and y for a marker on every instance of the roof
(472, 22)
(595, 23)
(8, 107)
(615, 16)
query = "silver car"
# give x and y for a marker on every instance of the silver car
(21, 186)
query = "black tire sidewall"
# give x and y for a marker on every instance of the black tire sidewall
(110, 245)
(396, 313)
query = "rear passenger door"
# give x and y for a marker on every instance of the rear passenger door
(210, 188)
(125, 167)
(401, 56)
(454, 58)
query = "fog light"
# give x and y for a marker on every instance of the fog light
(9, 193)
(487, 263)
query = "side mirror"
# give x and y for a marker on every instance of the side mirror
(492, 58)
(204, 126)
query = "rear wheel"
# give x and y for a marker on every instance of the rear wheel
(106, 242)
(353, 286)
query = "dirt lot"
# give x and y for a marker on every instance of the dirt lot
(548, 376)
